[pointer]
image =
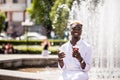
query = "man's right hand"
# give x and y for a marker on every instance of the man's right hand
(61, 55)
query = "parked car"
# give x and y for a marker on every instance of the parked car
(32, 36)
(4, 36)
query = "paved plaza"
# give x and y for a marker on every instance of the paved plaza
(47, 74)
(39, 75)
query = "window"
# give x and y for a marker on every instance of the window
(15, 1)
(2, 1)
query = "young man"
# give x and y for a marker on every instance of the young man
(74, 57)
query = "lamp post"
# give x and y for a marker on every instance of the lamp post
(27, 23)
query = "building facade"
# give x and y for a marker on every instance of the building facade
(15, 11)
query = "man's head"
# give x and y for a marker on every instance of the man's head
(76, 29)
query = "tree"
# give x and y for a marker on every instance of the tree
(2, 20)
(59, 15)
(39, 12)
(48, 14)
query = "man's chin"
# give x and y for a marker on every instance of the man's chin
(76, 37)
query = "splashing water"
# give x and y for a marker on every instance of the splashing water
(101, 29)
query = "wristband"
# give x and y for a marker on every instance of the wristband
(82, 61)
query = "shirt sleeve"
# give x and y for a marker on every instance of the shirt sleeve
(88, 59)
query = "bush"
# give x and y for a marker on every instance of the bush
(34, 50)
(32, 42)
(24, 47)
(2, 20)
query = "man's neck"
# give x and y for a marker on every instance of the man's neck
(74, 41)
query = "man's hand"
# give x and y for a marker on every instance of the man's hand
(76, 54)
(61, 55)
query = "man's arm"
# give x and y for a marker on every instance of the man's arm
(61, 55)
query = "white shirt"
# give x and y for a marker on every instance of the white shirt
(71, 64)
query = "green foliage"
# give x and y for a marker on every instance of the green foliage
(31, 42)
(59, 15)
(49, 14)
(32, 46)
(2, 20)
(57, 3)
(32, 50)
(40, 11)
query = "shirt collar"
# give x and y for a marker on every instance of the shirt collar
(78, 42)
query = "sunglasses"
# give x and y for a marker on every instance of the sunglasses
(77, 28)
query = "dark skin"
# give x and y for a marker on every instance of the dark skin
(76, 36)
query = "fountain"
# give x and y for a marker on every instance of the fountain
(101, 22)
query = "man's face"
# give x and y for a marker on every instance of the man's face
(76, 31)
